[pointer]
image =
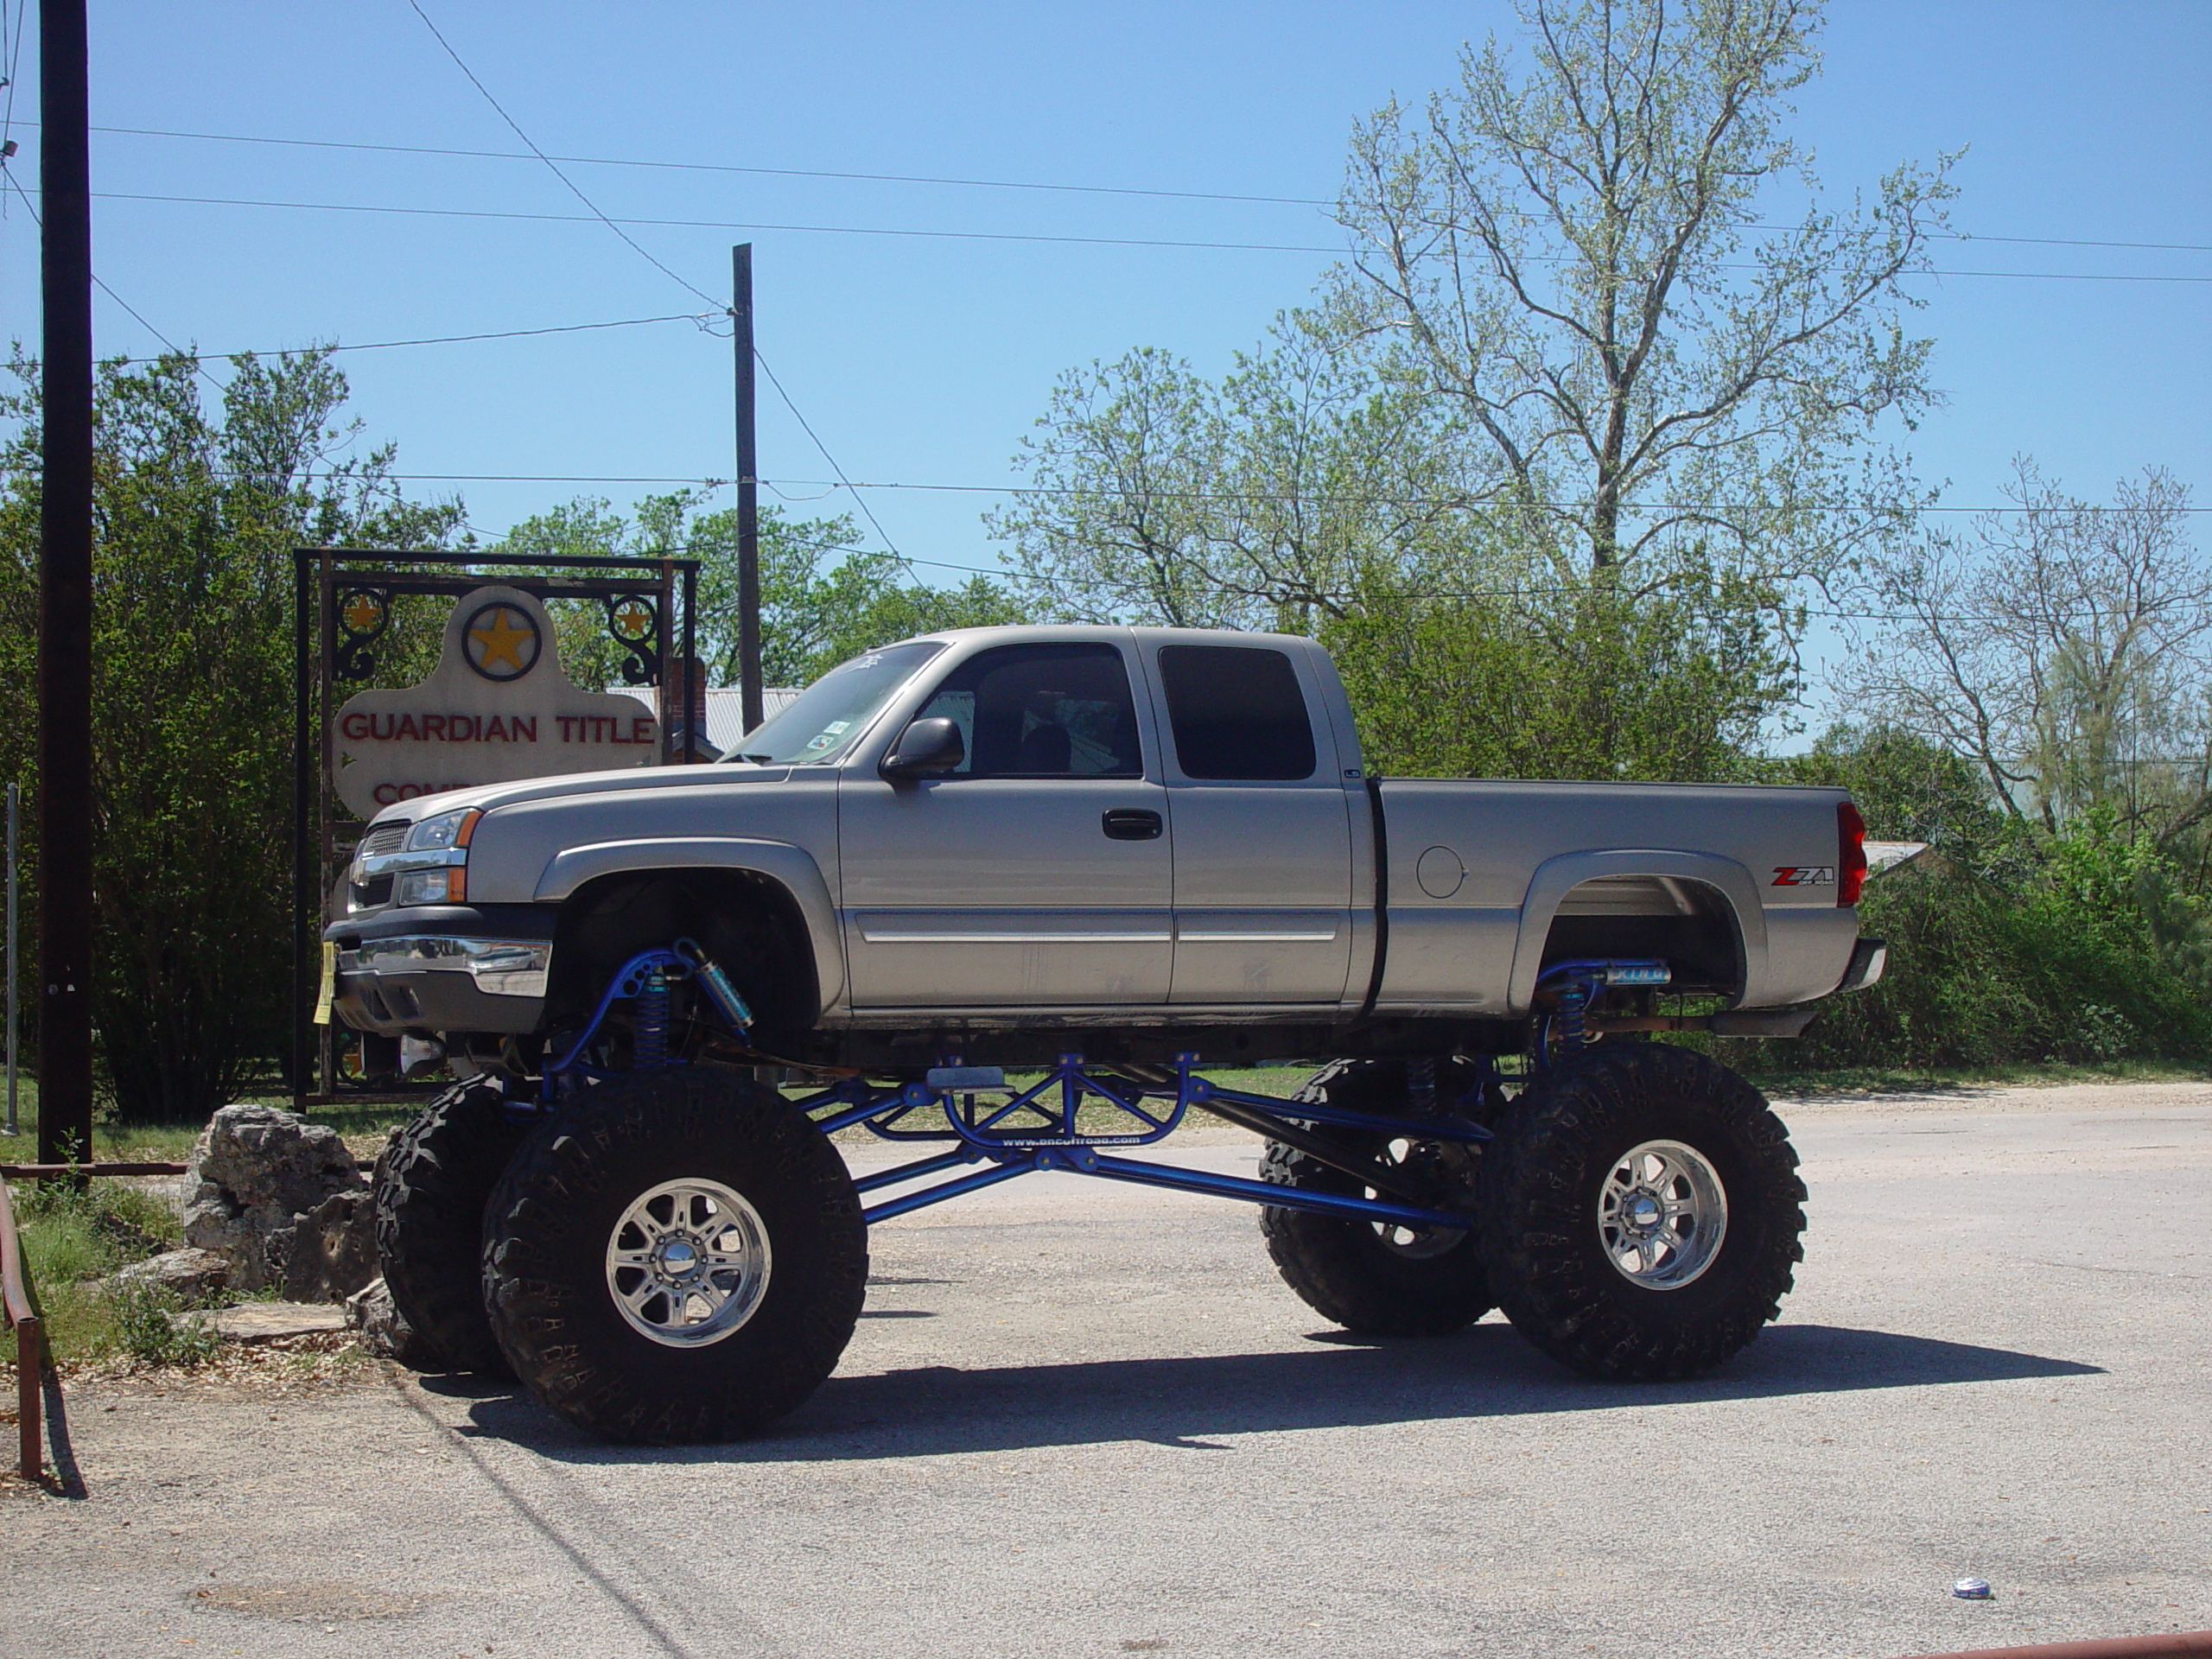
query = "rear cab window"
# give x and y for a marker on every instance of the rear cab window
(1237, 713)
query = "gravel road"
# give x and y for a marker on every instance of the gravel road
(1083, 1419)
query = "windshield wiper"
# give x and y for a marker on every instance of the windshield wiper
(759, 760)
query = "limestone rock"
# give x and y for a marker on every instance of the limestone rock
(268, 1321)
(385, 1331)
(192, 1274)
(257, 1172)
(332, 1251)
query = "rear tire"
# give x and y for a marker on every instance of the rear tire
(1640, 1212)
(678, 1256)
(1377, 1280)
(432, 1185)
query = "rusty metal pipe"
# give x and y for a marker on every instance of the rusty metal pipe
(30, 1347)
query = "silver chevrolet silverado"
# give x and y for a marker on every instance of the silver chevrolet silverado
(1008, 891)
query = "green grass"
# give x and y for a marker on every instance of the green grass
(71, 1241)
(362, 1126)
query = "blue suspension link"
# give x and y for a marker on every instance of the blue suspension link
(993, 1136)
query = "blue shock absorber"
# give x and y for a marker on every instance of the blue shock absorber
(649, 1023)
(1578, 985)
(1568, 1022)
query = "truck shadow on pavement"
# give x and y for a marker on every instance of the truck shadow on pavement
(1340, 1382)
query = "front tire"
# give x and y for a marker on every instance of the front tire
(678, 1256)
(1640, 1213)
(430, 1188)
(1372, 1277)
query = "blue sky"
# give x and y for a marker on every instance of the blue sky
(923, 360)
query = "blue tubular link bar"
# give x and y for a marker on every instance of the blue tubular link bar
(1060, 1144)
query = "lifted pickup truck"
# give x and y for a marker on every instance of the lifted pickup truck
(1106, 858)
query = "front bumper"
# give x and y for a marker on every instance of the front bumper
(442, 967)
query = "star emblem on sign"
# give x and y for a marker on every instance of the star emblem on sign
(501, 641)
(633, 619)
(364, 612)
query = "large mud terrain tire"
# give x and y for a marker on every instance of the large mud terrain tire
(1375, 1279)
(678, 1256)
(432, 1183)
(1640, 1212)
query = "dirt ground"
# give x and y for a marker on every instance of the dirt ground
(1089, 1419)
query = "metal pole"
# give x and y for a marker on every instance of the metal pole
(64, 641)
(15, 814)
(748, 490)
(307, 913)
(695, 688)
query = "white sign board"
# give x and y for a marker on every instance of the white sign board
(496, 708)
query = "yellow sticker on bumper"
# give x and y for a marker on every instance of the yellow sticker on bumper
(329, 983)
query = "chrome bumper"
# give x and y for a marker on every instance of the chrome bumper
(498, 967)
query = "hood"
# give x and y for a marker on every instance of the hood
(486, 797)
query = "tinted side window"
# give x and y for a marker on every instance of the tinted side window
(1043, 711)
(1236, 712)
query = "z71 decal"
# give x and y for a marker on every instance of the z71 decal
(1804, 876)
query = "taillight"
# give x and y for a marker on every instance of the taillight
(1850, 852)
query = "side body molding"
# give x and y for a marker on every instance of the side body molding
(1556, 877)
(791, 868)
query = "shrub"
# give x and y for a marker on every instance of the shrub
(149, 1328)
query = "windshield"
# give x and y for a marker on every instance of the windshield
(830, 714)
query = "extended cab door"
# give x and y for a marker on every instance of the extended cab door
(1037, 874)
(1262, 827)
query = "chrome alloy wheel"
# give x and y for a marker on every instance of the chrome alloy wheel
(688, 1262)
(1420, 1244)
(1662, 1214)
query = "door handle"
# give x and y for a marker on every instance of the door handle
(1131, 824)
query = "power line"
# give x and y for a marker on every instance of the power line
(1896, 508)
(551, 164)
(32, 210)
(441, 339)
(574, 190)
(964, 236)
(859, 500)
(710, 481)
(983, 184)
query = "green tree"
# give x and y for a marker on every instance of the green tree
(1576, 257)
(2065, 649)
(822, 599)
(196, 512)
(1268, 499)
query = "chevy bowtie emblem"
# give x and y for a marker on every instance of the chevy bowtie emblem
(501, 641)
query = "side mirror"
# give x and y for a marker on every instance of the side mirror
(925, 747)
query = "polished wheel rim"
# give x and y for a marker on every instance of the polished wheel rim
(1418, 1243)
(1661, 1215)
(688, 1262)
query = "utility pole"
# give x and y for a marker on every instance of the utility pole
(64, 595)
(748, 489)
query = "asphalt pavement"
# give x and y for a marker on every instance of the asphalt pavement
(1082, 1419)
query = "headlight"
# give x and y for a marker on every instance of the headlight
(447, 830)
(445, 885)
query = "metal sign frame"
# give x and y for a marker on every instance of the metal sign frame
(328, 652)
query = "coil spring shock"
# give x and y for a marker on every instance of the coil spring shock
(1421, 1086)
(648, 1021)
(1567, 1021)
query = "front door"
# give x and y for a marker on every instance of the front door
(1037, 874)
(1263, 830)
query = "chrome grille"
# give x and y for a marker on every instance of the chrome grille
(384, 839)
